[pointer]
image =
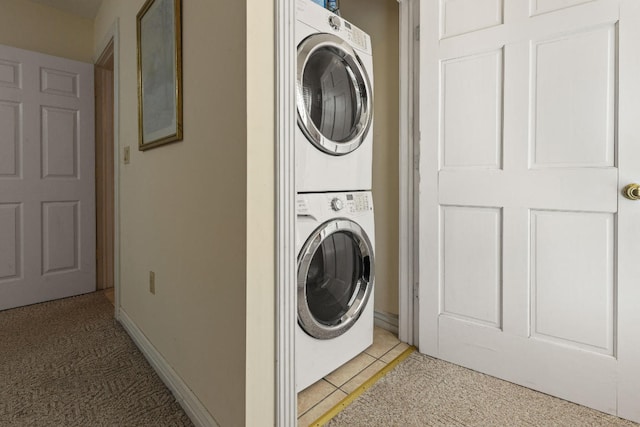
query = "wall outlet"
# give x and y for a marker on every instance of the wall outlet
(127, 155)
(152, 282)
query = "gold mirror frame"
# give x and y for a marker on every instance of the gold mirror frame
(159, 73)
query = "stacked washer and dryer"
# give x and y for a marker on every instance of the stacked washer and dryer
(333, 161)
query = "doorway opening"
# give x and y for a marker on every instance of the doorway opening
(105, 176)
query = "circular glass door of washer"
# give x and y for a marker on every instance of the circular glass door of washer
(335, 278)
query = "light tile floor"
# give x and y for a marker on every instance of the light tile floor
(317, 399)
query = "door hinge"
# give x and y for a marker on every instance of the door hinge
(416, 33)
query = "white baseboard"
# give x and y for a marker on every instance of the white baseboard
(386, 321)
(185, 397)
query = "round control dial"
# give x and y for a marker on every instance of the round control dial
(336, 204)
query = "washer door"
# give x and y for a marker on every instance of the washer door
(333, 94)
(335, 278)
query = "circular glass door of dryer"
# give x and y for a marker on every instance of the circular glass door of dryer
(333, 94)
(335, 278)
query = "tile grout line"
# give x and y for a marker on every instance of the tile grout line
(387, 352)
(339, 387)
(349, 392)
(321, 400)
(356, 374)
(361, 389)
(378, 359)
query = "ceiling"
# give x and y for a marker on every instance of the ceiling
(84, 8)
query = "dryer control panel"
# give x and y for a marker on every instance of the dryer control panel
(348, 31)
(356, 36)
(325, 21)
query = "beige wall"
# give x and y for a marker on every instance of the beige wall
(200, 212)
(43, 29)
(379, 18)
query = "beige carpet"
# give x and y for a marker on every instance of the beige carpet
(68, 363)
(422, 391)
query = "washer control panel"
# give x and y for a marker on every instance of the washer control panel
(302, 207)
(358, 202)
(329, 204)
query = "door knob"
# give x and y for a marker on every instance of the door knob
(632, 191)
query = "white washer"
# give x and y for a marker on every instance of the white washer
(335, 279)
(334, 97)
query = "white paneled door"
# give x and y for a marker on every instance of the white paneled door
(529, 253)
(47, 202)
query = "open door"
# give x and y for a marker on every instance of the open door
(530, 122)
(47, 195)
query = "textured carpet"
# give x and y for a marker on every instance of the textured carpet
(422, 391)
(69, 363)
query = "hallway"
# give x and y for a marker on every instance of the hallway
(69, 363)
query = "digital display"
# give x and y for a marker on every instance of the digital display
(349, 196)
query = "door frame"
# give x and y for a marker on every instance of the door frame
(113, 36)
(285, 387)
(104, 157)
(286, 396)
(409, 179)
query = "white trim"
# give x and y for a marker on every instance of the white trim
(286, 397)
(409, 156)
(386, 321)
(184, 396)
(114, 34)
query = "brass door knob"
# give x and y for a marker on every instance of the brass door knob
(632, 192)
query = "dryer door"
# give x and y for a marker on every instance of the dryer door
(334, 97)
(335, 278)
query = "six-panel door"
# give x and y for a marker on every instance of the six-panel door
(520, 206)
(47, 202)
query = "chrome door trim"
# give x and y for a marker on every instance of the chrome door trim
(362, 86)
(365, 285)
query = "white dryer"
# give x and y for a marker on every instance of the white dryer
(335, 279)
(334, 97)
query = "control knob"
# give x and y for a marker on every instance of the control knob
(334, 22)
(336, 204)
